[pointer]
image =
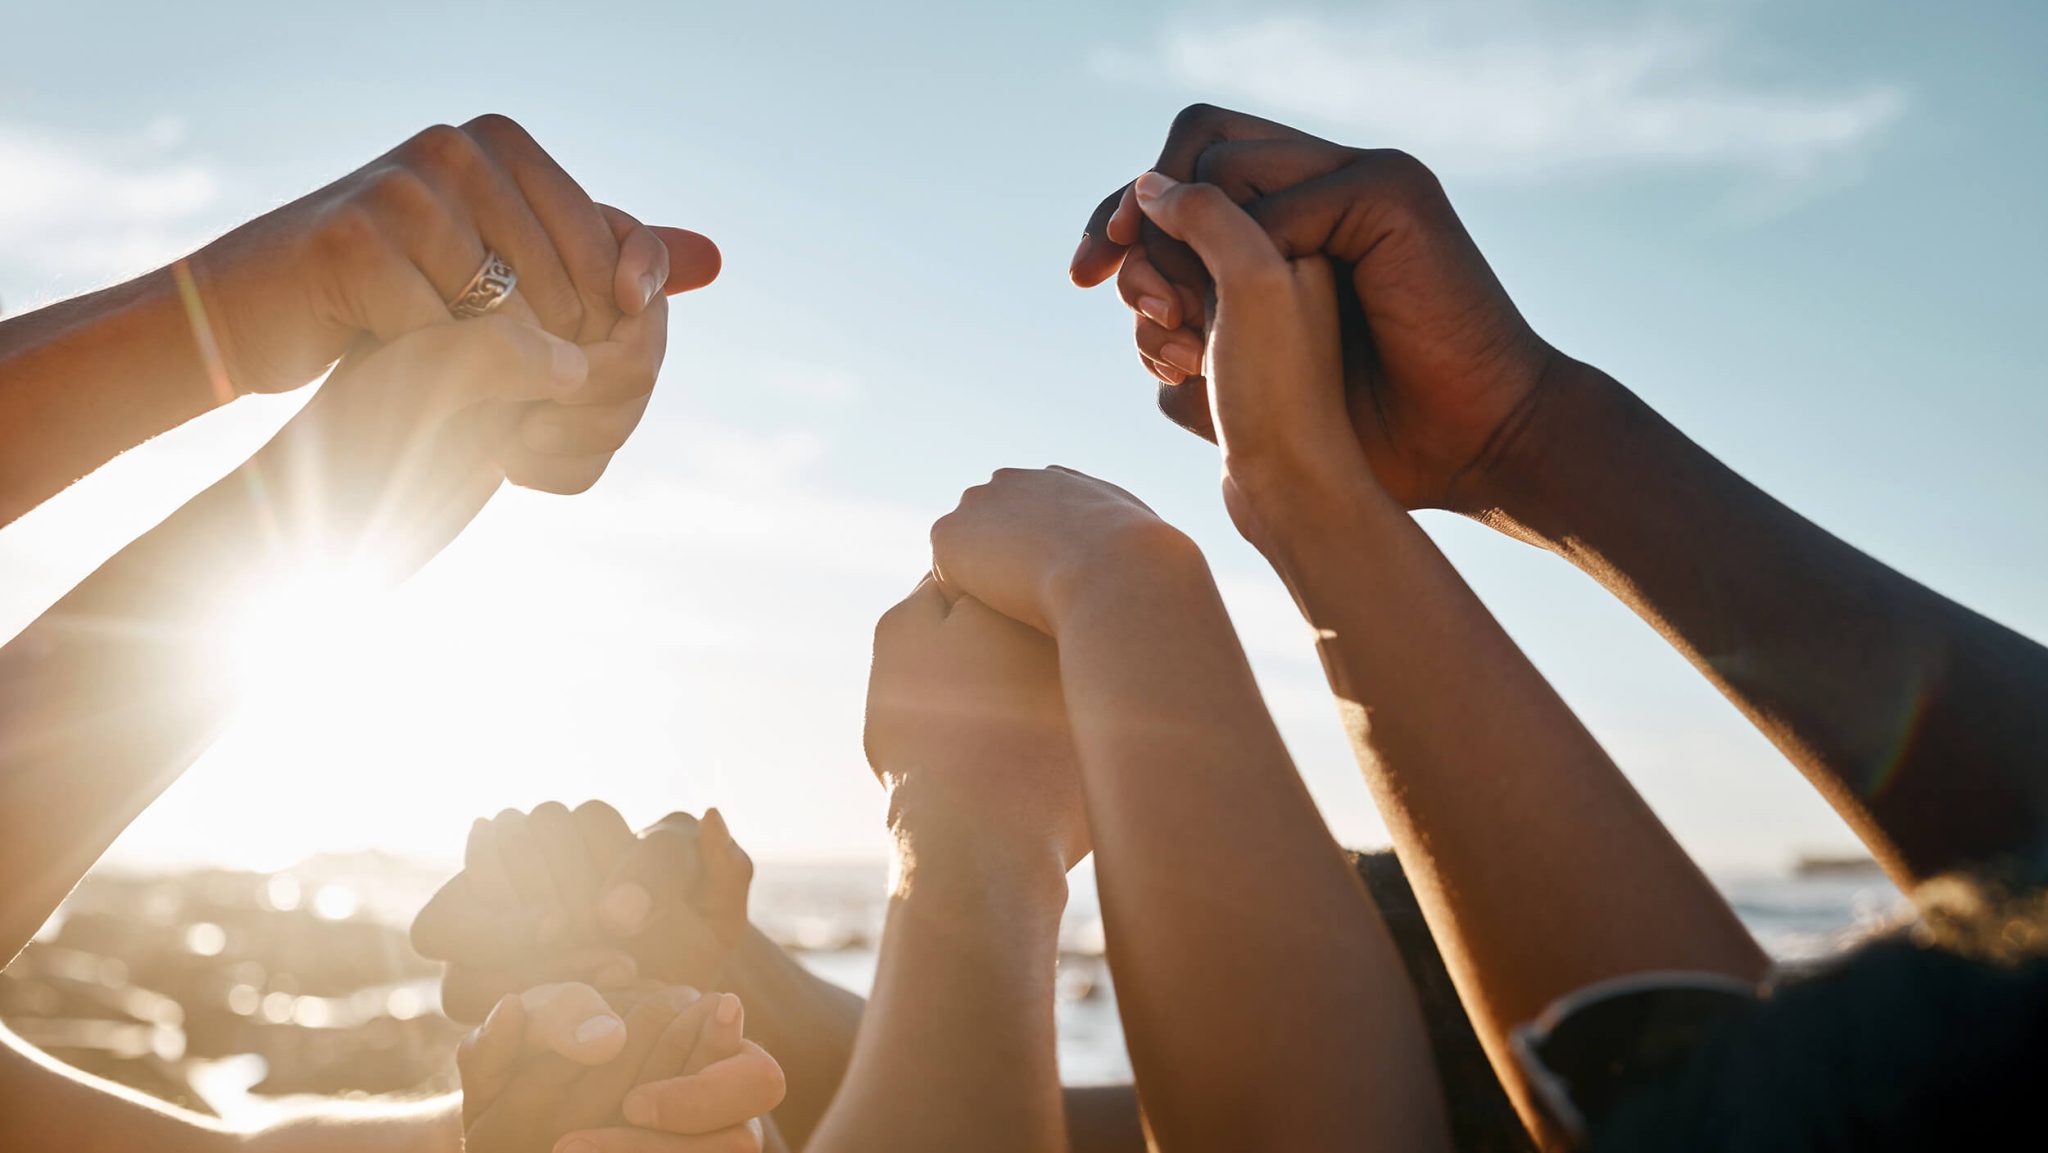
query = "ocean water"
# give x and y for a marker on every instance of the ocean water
(831, 916)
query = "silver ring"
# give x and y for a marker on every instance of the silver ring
(486, 290)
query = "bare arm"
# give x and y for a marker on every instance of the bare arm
(1922, 722)
(46, 1106)
(1538, 867)
(1919, 720)
(110, 694)
(1264, 1004)
(92, 377)
(956, 1048)
(967, 731)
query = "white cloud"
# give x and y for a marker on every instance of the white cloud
(1517, 91)
(82, 208)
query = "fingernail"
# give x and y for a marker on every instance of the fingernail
(649, 285)
(626, 908)
(574, 1145)
(1153, 185)
(680, 997)
(570, 365)
(1155, 310)
(597, 1029)
(1183, 356)
(728, 1009)
(639, 1109)
(616, 973)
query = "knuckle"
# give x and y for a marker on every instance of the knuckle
(401, 191)
(1196, 118)
(497, 126)
(550, 811)
(345, 232)
(1407, 176)
(443, 147)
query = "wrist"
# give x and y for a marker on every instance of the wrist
(944, 857)
(1571, 419)
(1138, 555)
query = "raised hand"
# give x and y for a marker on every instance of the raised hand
(1024, 542)
(381, 251)
(967, 729)
(557, 895)
(1439, 365)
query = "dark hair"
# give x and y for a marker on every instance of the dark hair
(1934, 1038)
(1482, 1119)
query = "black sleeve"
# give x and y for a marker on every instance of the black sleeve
(1894, 1047)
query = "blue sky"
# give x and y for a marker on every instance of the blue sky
(1810, 234)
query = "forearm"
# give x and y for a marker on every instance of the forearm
(86, 379)
(957, 1050)
(1919, 720)
(807, 1022)
(1539, 868)
(45, 1106)
(1240, 939)
(110, 694)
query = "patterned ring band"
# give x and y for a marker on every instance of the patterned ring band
(486, 290)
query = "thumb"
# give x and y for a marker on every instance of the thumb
(693, 259)
(572, 1020)
(1204, 218)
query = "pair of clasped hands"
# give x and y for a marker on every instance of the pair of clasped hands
(423, 414)
(1315, 310)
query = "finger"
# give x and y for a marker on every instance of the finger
(1179, 349)
(1342, 215)
(744, 1138)
(1250, 169)
(604, 1087)
(575, 879)
(487, 1056)
(580, 233)
(1232, 246)
(693, 260)
(1122, 226)
(486, 869)
(468, 994)
(643, 270)
(727, 872)
(433, 228)
(722, 1094)
(497, 215)
(554, 472)
(1098, 256)
(1147, 293)
(457, 926)
(573, 1021)
(670, 1056)
(454, 367)
(928, 602)
(1161, 371)
(656, 871)
(720, 1037)
(606, 836)
(1194, 131)
(627, 361)
(520, 849)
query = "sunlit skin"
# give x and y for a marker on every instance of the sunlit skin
(108, 696)
(1263, 1003)
(1916, 718)
(1540, 869)
(672, 899)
